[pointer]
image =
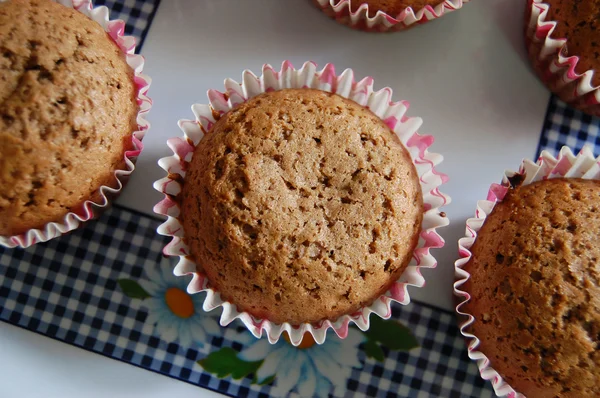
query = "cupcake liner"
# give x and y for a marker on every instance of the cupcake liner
(557, 71)
(341, 11)
(567, 165)
(344, 85)
(91, 209)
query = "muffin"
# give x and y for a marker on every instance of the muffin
(301, 201)
(68, 110)
(386, 15)
(532, 286)
(300, 206)
(563, 42)
(393, 7)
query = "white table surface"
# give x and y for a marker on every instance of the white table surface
(466, 75)
(35, 366)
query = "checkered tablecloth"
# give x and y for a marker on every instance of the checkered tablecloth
(68, 289)
(71, 289)
(567, 126)
(137, 14)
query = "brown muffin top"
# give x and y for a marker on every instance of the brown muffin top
(393, 7)
(579, 22)
(67, 111)
(301, 205)
(534, 288)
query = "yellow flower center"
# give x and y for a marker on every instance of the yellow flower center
(307, 340)
(179, 302)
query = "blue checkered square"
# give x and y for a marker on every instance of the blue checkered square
(137, 14)
(567, 126)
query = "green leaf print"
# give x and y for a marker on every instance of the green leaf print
(225, 362)
(373, 350)
(390, 334)
(132, 289)
(268, 380)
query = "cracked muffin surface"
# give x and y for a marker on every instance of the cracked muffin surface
(67, 112)
(579, 23)
(300, 205)
(534, 288)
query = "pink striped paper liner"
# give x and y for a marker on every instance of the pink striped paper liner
(341, 11)
(558, 72)
(567, 165)
(90, 209)
(344, 84)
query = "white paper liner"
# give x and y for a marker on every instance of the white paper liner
(341, 11)
(558, 72)
(567, 165)
(90, 209)
(345, 85)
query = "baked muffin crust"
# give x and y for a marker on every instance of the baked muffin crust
(301, 205)
(534, 288)
(67, 112)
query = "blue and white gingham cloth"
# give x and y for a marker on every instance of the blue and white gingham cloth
(67, 289)
(570, 127)
(137, 14)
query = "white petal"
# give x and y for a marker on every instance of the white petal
(307, 385)
(288, 375)
(350, 359)
(355, 337)
(273, 363)
(154, 277)
(344, 356)
(152, 318)
(210, 325)
(185, 335)
(345, 352)
(333, 349)
(330, 369)
(154, 304)
(324, 387)
(167, 332)
(165, 316)
(257, 351)
(199, 332)
(152, 288)
(245, 338)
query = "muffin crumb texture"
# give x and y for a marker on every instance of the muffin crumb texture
(67, 111)
(301, 205)
(393, 7)
(579, 22)
(534, 288)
